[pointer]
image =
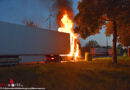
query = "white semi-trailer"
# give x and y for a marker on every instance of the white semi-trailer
(31, 44)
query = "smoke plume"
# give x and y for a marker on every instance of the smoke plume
(62, 7)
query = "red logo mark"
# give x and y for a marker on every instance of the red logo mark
(11, 81)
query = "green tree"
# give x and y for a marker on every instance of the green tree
(89, 44)
(92, 44)
(124, 39)
(93, 14)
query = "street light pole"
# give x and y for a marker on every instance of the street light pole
(50, 19)
(107, 44)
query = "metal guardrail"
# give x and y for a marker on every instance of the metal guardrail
(9, 61)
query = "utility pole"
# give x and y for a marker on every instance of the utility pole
(107, 44)
(50, 18)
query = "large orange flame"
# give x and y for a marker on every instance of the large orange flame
(67, 27)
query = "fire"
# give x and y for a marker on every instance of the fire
(67, 27)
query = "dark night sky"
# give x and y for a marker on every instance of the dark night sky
(15, 11)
